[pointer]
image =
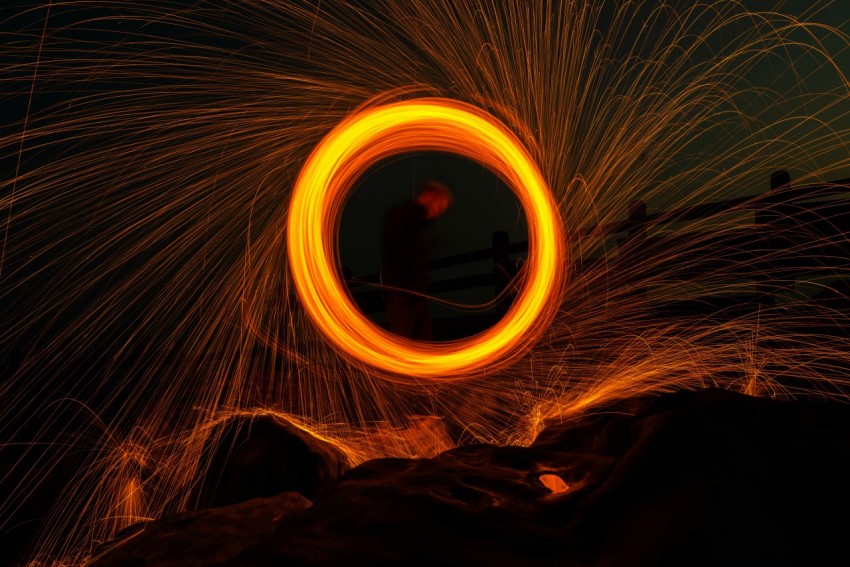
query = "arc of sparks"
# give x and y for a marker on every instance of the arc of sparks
(329, 174)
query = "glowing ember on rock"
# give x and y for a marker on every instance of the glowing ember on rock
(431, 124)
(554, 483)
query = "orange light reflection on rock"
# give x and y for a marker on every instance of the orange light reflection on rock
(345, 154)
(554, 483)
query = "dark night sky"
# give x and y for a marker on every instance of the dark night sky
(483, 204)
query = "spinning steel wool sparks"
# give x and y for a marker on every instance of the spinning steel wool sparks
(175, 173)
(318, 196)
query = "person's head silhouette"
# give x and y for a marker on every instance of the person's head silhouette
(435, 198)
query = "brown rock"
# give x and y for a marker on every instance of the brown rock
(201, 539)
(263, 456)
(692, 478)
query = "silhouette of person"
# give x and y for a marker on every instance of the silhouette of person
(404, 260)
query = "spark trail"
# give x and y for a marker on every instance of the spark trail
(146, 259)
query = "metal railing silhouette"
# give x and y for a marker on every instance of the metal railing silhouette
(799, 231)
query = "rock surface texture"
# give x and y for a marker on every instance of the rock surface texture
(691, 478)
(258, 457)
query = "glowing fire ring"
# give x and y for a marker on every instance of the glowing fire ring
(429, 124)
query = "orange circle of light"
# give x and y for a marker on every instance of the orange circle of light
(428, 124)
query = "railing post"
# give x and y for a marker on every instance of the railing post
(769, 219)
(503, 271)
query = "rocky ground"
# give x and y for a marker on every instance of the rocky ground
(690, 478)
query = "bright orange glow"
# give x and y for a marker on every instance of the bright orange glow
(554, 483)
(431, 124)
